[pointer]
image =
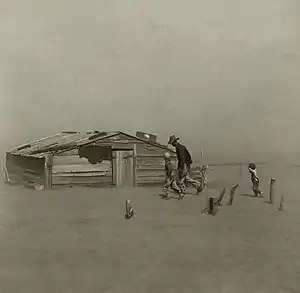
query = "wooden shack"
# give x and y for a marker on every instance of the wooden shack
(90, 158)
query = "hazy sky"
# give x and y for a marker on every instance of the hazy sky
(220, 74)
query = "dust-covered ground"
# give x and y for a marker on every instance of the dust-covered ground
(77, 240)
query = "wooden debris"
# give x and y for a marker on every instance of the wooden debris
(25, 146)
(271, 195)
(280, 208)
(219, 200)
(231, 196)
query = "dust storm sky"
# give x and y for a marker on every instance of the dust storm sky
(224, 75)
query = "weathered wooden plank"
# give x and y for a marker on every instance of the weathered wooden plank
(151, 174)
(110, 141)
(122, 136)
(80, 180)
(150, 180)
(75, 160)
(142, 151)
(21, 177)
(73, 152)
(81, 168)
(154, 160)
(151, 161)
(36, 179)
(150, 167)
(157, 156)
(82, 174)
(68, 160)
(26, 162)
(114, 145)
(18, 169)
(18, 180)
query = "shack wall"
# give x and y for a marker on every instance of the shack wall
(25, 170)
(69, 169)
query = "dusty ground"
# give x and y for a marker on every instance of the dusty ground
(76, 240)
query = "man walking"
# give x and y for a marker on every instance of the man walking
(184, 165)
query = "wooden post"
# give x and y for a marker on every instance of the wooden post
(48, 171)
(231, 196)
(134, 166)
(203, 171)
(271, 199)
(211, 204)
(6, 175)
(281, 203)
(219, 201)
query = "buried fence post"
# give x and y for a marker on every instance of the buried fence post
(281, 203)
(271, 195)
(203, 172)
(231, 195)
(211, 204)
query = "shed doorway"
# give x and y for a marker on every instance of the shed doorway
(123, 168)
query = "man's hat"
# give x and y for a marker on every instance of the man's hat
(172, 139)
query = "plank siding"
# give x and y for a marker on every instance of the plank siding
(81, 180)
(73, 170)
(150, 167)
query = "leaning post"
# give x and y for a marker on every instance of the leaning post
(271, 195)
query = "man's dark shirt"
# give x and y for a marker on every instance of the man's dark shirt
(183, 156)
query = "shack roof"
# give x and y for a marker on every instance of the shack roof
(64, 141)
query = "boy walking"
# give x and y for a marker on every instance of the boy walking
(170, 181)
(255, 179)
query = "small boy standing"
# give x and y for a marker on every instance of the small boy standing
(129, 212)
(255, 179)
(169, 179)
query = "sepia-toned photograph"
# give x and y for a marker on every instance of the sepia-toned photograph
(150, 146)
